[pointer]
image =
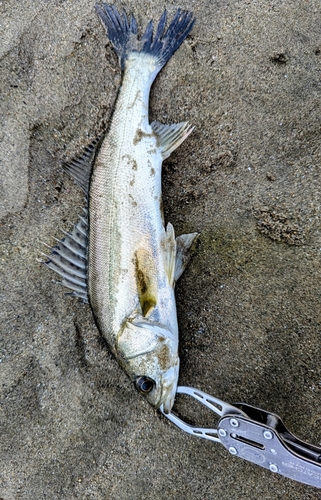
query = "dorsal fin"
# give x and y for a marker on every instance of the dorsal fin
(80, 167)
(68, 257)
(171, 136)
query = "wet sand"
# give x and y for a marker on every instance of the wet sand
(248, 180)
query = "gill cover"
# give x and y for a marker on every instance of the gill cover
(148, 353)
(139, 336)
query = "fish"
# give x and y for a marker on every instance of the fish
(120, 257)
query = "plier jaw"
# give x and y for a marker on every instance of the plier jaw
(257, 436)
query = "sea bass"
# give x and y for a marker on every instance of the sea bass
(120, 257)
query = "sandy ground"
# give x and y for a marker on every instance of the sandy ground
(248, 179)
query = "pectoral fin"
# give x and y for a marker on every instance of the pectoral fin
(170, 253)
(183, 243)
(171, 136)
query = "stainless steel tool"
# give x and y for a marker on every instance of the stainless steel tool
(257, 436)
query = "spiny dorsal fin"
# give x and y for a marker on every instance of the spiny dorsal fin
(184, 243)
(170, 253)
(80, 167)
(171, 136)
(69, 258)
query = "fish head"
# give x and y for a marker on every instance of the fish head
(149, 354)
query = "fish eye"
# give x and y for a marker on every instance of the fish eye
(144, 384)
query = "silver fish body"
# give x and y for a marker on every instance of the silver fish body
(133, 262)
(129, 279)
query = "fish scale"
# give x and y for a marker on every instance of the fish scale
(124, 201)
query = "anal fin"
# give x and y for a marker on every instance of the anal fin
(171, 136)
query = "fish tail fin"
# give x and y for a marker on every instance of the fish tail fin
(122, 32)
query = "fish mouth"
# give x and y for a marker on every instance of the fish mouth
(169, 394)
(167, 405)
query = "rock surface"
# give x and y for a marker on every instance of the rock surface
(248, 179)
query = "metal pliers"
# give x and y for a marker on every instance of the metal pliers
(257, 436)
